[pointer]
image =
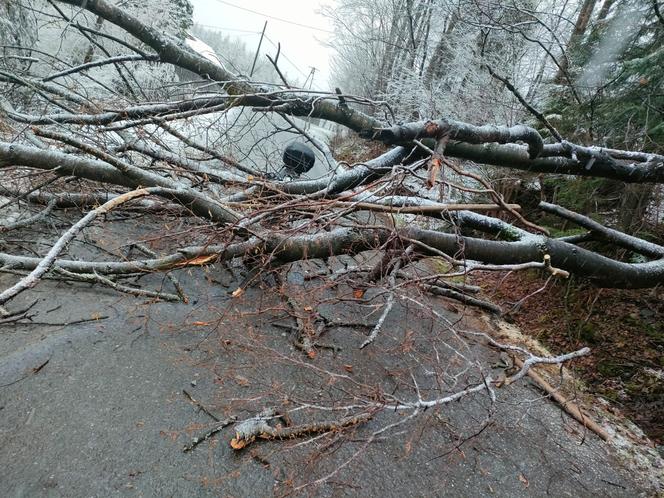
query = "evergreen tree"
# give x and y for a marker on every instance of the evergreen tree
(618, 75)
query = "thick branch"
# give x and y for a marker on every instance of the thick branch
(513, 156)
(207, 104)
(283, 248)
(610, 235)
(70, 165)
(64, 200)
(102, 62)
(602, 271)
(359, 174)
(463, 132)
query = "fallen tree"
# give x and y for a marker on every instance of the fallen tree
(241, 203)
(75, 150)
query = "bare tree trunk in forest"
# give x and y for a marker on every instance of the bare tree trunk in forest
(544, 62)
(91, 48)
(604, 11)
(403, 40)
(579, 30)
(602, 15)
(425, 44)
(390, 54)
(406, 66)
(418, 27)
(441, 53)
(407, 55)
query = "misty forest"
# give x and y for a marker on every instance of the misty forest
(439, 273)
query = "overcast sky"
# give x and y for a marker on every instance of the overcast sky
(301, 46)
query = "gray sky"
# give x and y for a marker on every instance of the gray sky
(301, 47)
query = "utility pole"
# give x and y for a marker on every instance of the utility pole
(260, 42)
(311, 75)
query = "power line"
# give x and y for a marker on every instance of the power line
(273, 17)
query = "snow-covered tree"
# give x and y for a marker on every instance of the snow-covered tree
(68, 36)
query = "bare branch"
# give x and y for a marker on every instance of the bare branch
(610, 235)
(48, 261)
